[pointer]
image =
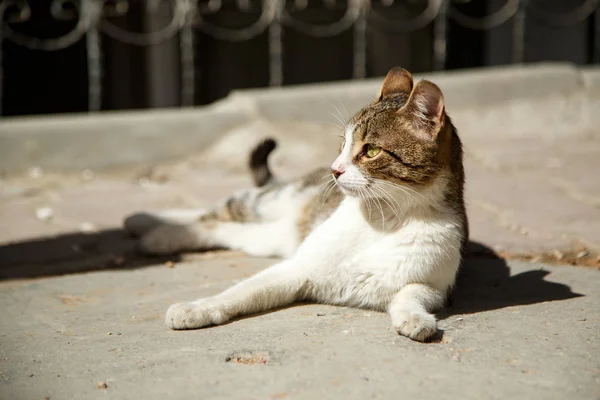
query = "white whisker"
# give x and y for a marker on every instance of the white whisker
(386, 194)
(338, 119)
(345, 110)
(366, 200)
(380, 210)
(406, 190)
(336, 125)
(368, 204)
(329, 186)
(341, 117)
(391, 197)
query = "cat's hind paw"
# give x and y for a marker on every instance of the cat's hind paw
(166, 240)
(194, 315)
(417, 325)
(140, 223)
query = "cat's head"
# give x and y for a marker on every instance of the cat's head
(401, 140)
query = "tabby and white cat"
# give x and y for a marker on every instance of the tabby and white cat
(387, 236)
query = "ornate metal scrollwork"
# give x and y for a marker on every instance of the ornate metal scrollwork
(354, 9)
(181, 9)
(267, 17)
(92, 19)
(88, 12)
(506, 12)
(575, 16)
(422, 20)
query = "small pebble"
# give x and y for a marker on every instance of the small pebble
(583, 253)
(320, 314)
(101, 385)
(44, 213)
(109, 333)
(170, 264)
(558, 254)
(87, 174)
(36, 172)
(118, 333)
(459, 319)
(87, 227)
(118, 261)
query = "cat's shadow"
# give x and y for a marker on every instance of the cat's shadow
(110, 249)
(485, 283)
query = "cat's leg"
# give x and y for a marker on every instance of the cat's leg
(277, 286)
(140, 223)
(411, 311)
(262, 239)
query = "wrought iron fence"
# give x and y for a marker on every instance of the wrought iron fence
(94, 22)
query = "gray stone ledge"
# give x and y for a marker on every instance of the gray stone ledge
(554, 98)
(476, 88)
(111, 139)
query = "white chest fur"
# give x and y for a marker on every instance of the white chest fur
(364, 266)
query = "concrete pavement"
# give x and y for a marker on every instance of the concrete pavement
(530, 335)
(82, 313)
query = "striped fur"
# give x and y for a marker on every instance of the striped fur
(387, 236)
(291, 210)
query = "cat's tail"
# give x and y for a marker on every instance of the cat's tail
(258, 162)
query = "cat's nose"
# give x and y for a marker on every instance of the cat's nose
(337, 172)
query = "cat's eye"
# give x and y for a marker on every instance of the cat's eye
(372, 150)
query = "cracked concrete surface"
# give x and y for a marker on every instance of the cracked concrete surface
(80, 308)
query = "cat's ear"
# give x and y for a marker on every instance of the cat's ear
(426, 108)
(397, 81)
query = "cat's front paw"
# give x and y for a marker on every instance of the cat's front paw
(417, 325)
(194, 315)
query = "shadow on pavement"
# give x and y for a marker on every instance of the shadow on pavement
(73, 253)
(485, 283)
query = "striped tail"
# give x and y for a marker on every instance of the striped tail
(258, 162)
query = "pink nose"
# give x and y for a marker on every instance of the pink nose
(337, 172)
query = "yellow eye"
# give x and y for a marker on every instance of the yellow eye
(372, 150)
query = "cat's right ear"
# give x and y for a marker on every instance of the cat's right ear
(397, 81)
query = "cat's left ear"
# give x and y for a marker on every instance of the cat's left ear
(426, 108)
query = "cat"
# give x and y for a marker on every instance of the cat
(386, 233)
